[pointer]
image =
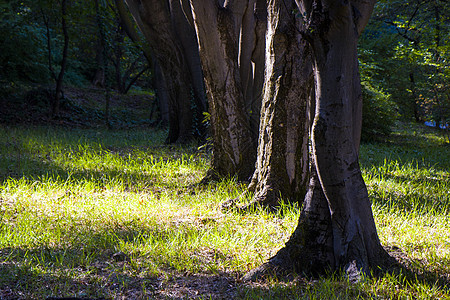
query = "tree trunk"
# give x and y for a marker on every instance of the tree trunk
(117, 58)
(282, 162)
(154, 19)
(336, 229)
(218, 28)
(259, 64)
(162, 94)
(188, 39)
(99, 77)
(159, 83)
(102, 36)
(251, 60)
(59, 80)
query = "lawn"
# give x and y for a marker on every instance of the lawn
(91, 213)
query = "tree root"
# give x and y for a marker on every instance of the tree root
(283, 266)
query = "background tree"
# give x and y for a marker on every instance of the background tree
(155, 18)
(157, 79)
(58, 76)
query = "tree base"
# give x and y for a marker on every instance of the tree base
(283, 267)
(210, 176)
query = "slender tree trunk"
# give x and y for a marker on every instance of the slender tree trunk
(282, 162)
(100, 57)
(99, 77)
(336, 229)
(162, 93)
(415, 102)
(218, 31)
(102, 34)
(118, 53)
(60, 78)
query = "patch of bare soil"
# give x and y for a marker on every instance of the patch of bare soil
(197, 286)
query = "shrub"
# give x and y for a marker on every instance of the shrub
(379, 112)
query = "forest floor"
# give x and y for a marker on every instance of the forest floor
(94, 213)
(80, 107)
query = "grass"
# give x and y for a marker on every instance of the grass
(118, 215)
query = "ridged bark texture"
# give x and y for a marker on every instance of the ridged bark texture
(218, 30)
(336, 229)
(282, 162)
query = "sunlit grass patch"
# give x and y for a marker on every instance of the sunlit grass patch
(91, 213)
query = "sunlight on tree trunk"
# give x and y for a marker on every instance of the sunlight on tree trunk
(218, 30)
(336, 229)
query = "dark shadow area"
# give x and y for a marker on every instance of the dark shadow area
(17, 162)
(422, 201)
(20, 279)
(79, 107)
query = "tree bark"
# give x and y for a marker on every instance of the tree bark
(185, 31)
(154, 19)
(162, 93)
(251, 60)
(218, 29)
(258, 63)
(336, 229)
(282, 162)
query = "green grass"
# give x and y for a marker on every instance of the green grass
(92, 213)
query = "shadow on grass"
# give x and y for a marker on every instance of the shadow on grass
(96, 265)
(21, 277)
(35, 168)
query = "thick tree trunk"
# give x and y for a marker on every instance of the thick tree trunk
(259, 64)
(282, 162)
(218, 31)
(154, 19)
(185, 31)
(336, 229)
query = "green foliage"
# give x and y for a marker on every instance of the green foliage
(25, 56)
(22, 56)
(405, 50)
(379, 113)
